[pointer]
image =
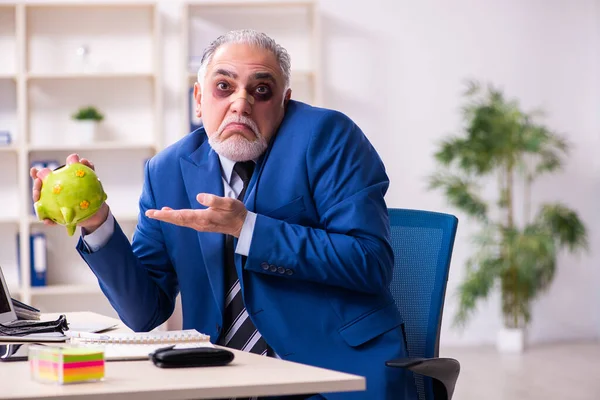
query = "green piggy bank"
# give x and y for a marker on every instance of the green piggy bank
(69, 195)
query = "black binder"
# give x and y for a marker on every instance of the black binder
(24, 328)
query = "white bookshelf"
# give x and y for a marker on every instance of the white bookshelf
(8, 40)
(100, 146)
(9, 155)
(294, 25)
(68, 289)
(44, 79)
(122, 218)
(79, 75)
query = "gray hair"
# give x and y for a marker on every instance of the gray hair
(251, 37)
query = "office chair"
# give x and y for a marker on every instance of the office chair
(422, 242)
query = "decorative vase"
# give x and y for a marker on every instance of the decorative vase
(83, 54)
(511, 340)
(85, 131)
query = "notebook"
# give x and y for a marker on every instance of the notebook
(138, 346)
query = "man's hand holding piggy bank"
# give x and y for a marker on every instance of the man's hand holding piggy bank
(71, 195)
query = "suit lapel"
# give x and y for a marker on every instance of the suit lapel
(202, 174)
(250, 198)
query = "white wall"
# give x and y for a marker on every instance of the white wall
(397, 66)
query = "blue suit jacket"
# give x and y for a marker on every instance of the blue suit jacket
(315, 282)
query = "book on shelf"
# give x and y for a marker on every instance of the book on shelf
(5, 138)
(38, 260)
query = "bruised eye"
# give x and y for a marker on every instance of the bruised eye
(222, 89)
(263, 92)
(222, 86)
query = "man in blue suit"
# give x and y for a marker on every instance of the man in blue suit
(270, 221)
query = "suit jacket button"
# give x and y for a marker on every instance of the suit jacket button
(273, 268)
(289, 271)
(265, 266)
(281, 270)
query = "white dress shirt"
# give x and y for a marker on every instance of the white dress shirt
(232, 186)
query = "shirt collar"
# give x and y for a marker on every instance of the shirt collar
(226, 168)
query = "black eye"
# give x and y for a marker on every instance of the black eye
(263, 93)
(222, 86)
(263, 90)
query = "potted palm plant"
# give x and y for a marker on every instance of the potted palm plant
(504, 147)
(87, 120)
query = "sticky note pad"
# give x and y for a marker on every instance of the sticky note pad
(66, 364)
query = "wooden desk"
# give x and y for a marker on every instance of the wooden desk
(247, 375)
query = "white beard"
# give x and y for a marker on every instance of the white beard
(237, 147)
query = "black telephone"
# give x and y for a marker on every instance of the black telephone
(171, 357)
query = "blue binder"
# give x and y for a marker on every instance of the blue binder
(38, 258)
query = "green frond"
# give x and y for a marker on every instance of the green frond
(483, 269)
(449, 150)
(535, 256)
(531, 264)
(479, 281)
(472, 87)
(549, 161)
(461, 194)
(547, 147)
(489, 238)
(470, 155)
(534, 138)
(565, 226)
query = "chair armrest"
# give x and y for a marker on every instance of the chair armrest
(445, 370)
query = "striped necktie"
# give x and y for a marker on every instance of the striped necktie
(238, 330)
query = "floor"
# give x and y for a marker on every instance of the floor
(549, 372)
